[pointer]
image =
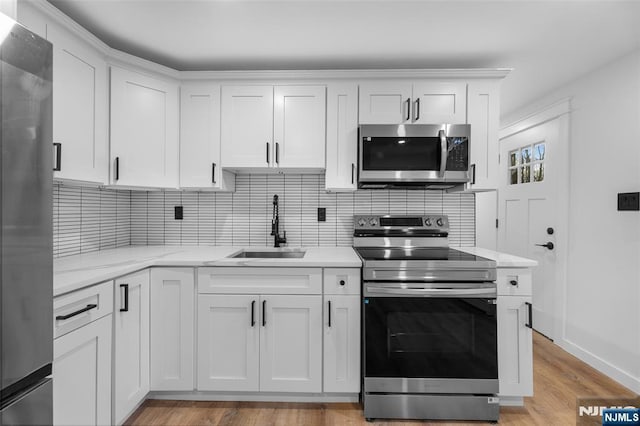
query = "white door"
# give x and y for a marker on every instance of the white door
(515, 347)
(342, 344)
(144, 130)
(131, 340)
(299, 120)
(291, 343)
(82, 375)
(247, 126)
(342, 137)
(384, 102)
(531, 164)
(79, 110)
(437, 102)
(228, 342)
(172, 329)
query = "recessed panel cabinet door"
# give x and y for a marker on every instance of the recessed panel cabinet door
(82, 375)
(131, 340)
(291, 344)
(515, 352)
(385, 102)
(247, 126)
(341, 343)
(436, 102)
(299, 126)
(228, 342)
(342, 137)
(80, 113)
(144, 130)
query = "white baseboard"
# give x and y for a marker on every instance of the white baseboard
(511, 401)
(256, 397)
(620, 376)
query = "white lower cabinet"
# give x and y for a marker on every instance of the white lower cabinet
(82, 375)
(131, 341)
(342, 343)
(172, 293)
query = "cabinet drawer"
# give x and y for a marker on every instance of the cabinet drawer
(341, 281)
(73, 310)
(514, 282)
(248, 280)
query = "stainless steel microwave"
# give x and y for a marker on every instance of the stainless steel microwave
(413, 156)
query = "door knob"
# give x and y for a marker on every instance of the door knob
(550, 231)
(548, 245)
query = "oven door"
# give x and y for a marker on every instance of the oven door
(418, 344)
(413, 153)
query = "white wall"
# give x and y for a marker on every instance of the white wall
(602, 312)
(9, 8)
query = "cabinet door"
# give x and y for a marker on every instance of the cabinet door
(172, 328)
(299, 116)
(247, 126)
(82, 375)
(200, 139)
(79, 109)
(342, 137)
(228, 342)
(342, 344)
(131, 340)
(515, 353)
(483, 116)
(385, 103)
(436, 102)
(144, 130)
(291, 344)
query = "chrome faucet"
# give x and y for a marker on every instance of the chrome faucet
(275, 224)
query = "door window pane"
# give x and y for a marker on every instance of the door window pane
(538, 172)
(525, 174)
(513, 158)
(526, 155)
(538, 151)
(513, 176)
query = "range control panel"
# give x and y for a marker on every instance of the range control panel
(432, 222)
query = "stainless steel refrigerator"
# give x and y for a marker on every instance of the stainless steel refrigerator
(26, 261)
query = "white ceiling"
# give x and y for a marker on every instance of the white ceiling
(548, 43)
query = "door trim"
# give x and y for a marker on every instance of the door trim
(537, 118)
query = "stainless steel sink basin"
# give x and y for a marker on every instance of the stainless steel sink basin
(270, 254)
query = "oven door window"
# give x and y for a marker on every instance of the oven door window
(447, 338)
(401, 153)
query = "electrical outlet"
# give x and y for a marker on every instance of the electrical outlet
(629, 201)
(177, 213)
(322, 214)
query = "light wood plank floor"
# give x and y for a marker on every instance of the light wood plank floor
(559, 378)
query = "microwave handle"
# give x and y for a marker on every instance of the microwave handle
(443, 152)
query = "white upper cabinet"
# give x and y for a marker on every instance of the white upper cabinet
(342, 137)
(483, 116)
(247, 126)
(299, 126)
(267, 127)
(422, 102)
(144, 130)
(200, 165)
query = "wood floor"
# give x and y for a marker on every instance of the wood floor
(559, 378)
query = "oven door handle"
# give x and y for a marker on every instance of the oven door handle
(432, 292)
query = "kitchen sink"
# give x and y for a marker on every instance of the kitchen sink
(270, 254)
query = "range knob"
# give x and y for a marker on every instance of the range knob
(439, 222)
(427, 222)
(373, 221)
(362, 222)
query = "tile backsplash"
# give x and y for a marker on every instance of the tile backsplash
(89, 219)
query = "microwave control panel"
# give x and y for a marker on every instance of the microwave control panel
(458, 156)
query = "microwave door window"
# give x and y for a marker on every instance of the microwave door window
(395, 153)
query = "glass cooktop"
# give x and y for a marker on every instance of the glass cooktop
(423, 253)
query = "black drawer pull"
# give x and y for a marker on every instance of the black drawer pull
(513, 282)
(264, 315)
(78, 312)
(253, 313)
(342, 282)
(529, 323)
(126, 297)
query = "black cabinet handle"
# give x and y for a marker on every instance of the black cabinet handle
(264, 315)
(267, 152)
(408, 109)
(472, 170)
(417, 109)
(78, 312)
(253, 313)
(117, 168)
(58, 154)
(529, 323)
(126, 297)
(277, 153)
(329, 308)
(353, 173)
(342, 282)
(513, 282)
(213, 172)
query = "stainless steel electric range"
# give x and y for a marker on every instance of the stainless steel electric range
(429, 322)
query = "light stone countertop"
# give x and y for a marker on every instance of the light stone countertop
(76, 272)
(503, 260)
